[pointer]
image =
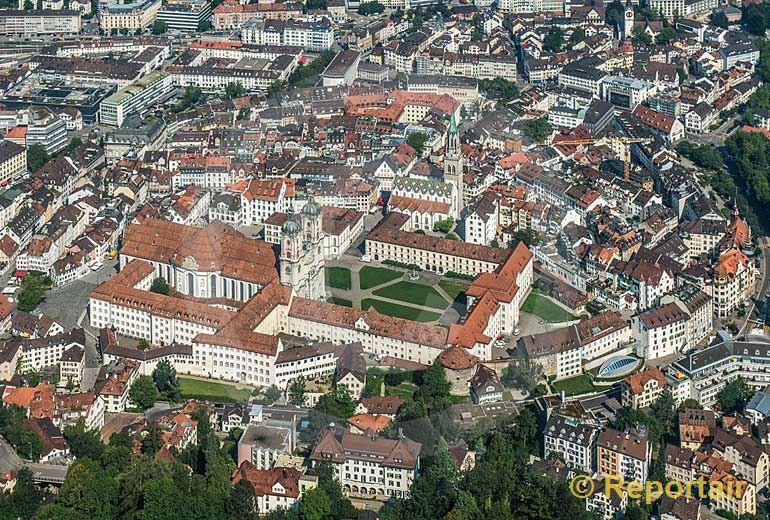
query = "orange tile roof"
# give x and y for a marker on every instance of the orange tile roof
(217, 247)
(640, 379)
(369, 423)
(728, 263)
(263, 480)
(378, 324)
(410, 204)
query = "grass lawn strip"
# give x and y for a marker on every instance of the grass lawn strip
(338, 277)
(399, 311)
(211, 390)
(545, 308)
(416, 293)
(373, 276)
(453, 289)
(339, 301)
(574, 386)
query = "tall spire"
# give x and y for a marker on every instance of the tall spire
(452, 138)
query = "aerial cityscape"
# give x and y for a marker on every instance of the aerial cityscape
(388, 259)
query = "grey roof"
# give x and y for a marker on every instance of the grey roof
(760, 402)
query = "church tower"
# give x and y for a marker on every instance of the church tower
(453, 165)
(302, 253)
(628, 21)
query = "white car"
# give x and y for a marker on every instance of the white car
(97, 266)
(366, 258)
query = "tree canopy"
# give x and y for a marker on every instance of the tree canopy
(734, 396)
(538, 129)
(160, 286)
(37, 156)
(234, 90)
(166, 381)
(417, 141)
(143, 392)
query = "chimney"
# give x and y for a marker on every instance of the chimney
(563, 398)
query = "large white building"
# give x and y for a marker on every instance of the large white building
(574, 441)
(137, 98)
(313, 33)
(369, 466)
(231, 299)
(567, 351)
(25, 23)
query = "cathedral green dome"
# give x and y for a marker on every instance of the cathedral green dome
(312, 209)
(291, 227)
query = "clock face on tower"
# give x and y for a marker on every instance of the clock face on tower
(629, 14)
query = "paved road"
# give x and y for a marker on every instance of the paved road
(44, 472)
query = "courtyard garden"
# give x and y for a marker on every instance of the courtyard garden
(541, 306)
(373, 276)
(212, 391)
(339, 278)
(384, 289)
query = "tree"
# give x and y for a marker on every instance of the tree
(152, 441)
(313, 5)
(370, 8)
(32, 291)
(166, 381)
(30, 446)
(297, 391)
(614, 14)
(204, 25)
(192, 96)
(143, 344)
(28, 5)
(316, 504)
(74, 143)
(277, 89)
(417, 140)
(499, 89)
(444, 226)
(538, 129)
(577, 36)
(734, 396)
(242, 502)
(664, 411)
(754, 19)
(334, 406)
(160, 286)
(523, 374)
(529, 236)
(159, 27)
(37, 156)
(234, 90)
(719, 18)
(554, 40)
(641, 37)
(83, 443)
(665, 35)
(24, 501)
(690, 403)
(123, 31)
(271, 395)
(143, 392)
(434, 388)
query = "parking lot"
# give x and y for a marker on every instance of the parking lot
(68, 303)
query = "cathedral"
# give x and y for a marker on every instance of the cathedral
(302, 256)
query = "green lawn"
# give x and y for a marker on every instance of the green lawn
(399, 311)
(374, 276)
(545, 308)
(338, 277)
(211, 391)
(404, 390)
(453, 289)
(416, 293)
(574, 386)
(339, 301)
